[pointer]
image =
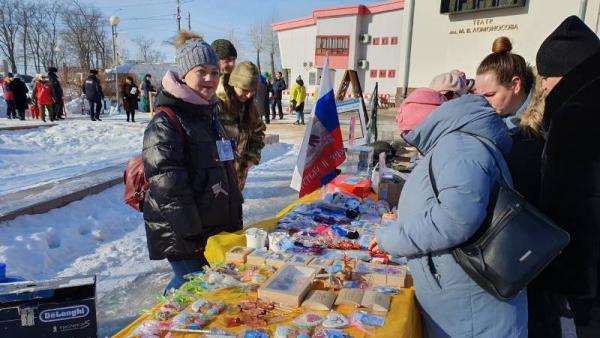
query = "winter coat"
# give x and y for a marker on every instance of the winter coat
(8, 94)
(278, 87)
(261, 100)
(92, 89)
(192, 195)
(417, 106)
(57, 92)
(466, 174)
(130, 101)
(298, 95)
(44, 94)
(243, 124)
(147, 87)
(570, 178)
(19, 91)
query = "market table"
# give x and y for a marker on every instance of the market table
(402, 320)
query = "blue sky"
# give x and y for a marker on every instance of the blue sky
(155, 19)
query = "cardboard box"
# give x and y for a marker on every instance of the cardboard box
(289, 285)
(390, 192)
(62, 308)
(238, 254)
(381, 275)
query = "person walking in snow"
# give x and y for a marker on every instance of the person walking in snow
(44, 99)
(130, 93)
(19, 91)
(8, 97)
(147, 87)
(193, 191)
(297, 98)
(279, 86)
(261, 100)
(57, 93)
(93, 93)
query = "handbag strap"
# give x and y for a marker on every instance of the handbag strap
(487, 144)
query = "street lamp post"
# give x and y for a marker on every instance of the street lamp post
(114, 21)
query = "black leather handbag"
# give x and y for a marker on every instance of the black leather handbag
(514, 243)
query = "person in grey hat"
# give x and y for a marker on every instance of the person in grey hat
(193, 191)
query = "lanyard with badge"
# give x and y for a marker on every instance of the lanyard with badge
(224, 147)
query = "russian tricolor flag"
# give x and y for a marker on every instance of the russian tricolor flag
(322, 148)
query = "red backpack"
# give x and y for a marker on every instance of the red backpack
(135, 181)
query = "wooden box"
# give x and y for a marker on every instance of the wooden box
(276, 259)
(289, 285)
(380, 274)
(237, 254)
(258, 256)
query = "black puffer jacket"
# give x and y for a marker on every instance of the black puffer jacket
(57, 92)
(92, 89)
(570, 181)
(192, 195)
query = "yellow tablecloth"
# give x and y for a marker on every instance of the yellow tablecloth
(403, 320)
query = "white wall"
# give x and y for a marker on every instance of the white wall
(387, 57)
(435, 50)
(296, 47)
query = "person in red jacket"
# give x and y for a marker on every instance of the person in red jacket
(8, 97)
(44, 99)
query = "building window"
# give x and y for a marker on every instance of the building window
(382, 73)
(334, 44)
(391, 73)
(394, 40)
(385, 41)
(373, 73)
(461, 6)
(312, 78)
(375, 41)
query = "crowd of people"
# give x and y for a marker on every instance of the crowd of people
(538, 122)
(46, 97)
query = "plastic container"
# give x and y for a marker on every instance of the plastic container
(256, 238)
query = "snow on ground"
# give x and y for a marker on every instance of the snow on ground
(73, 147)
(101, 235)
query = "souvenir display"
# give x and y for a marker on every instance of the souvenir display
(319, 300)
(335, 320)
(288, 285)
(316, 259)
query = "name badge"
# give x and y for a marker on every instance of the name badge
(225, 150)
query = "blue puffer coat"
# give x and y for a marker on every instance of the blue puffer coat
(465, 173)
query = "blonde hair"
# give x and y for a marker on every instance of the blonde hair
(184, 36)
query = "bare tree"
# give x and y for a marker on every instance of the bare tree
(232, 37)
(146, 51)
(272, 43)
(9, 28)
(22, 14)
(85, 33)
(257, 38)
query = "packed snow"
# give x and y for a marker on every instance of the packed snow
(34, 156)
(100, 234)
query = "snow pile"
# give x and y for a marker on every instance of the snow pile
(71, 148)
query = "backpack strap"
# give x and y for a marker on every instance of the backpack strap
(173, 118)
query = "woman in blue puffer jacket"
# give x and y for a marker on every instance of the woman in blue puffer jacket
(465, 173)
